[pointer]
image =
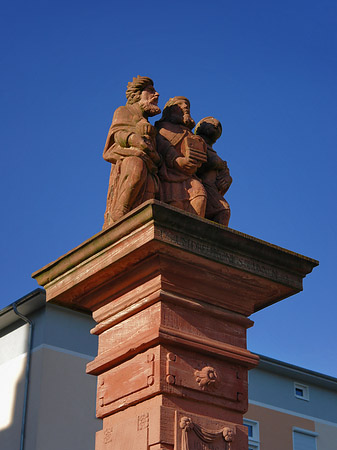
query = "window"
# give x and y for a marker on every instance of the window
(253, 434)
(304, 439)
(301, 391)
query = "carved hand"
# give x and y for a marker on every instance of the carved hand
(185, 165)
(222, 185)
(137, 141)
(223, 181)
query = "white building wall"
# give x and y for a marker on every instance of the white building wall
(61, 413)
(12, 372)
(61, 396)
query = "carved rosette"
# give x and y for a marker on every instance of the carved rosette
(206, 377)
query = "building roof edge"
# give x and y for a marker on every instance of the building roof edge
(26, 305)
(297, 372)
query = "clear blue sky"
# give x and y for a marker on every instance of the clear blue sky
(266, 69)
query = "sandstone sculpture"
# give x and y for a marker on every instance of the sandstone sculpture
(167, 162)
(131, 149)
(214, 173)
(182, 153)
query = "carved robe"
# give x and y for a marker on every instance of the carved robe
(176, 184)
(217, 180)
(133, 177)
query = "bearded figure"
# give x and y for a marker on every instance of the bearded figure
(182, 153)
(214, 173)
(131, 149)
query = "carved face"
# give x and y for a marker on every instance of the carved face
(180, 113)
(209, 129)
(228, 434)
(149, 101)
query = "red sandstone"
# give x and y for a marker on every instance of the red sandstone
(171, 294)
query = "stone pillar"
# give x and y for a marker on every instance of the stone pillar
(171, 294)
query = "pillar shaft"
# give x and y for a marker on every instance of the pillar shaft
(171, 294)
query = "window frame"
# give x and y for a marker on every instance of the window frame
(306, 432)
(254, 440)
(305, 390)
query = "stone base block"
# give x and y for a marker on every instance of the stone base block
(151, 425)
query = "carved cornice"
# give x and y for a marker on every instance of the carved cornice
(155, 228)
(167, 335)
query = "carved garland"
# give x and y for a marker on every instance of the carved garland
(187, 425)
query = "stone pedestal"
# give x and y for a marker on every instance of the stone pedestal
(171, 294)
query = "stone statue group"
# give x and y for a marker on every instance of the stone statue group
(167, 161)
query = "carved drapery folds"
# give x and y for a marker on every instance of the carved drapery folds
(131, 149)
(223, 437)
(167, 162)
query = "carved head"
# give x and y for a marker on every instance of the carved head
(209, 129)
(141, 90)
(186, 423)
(177, 110)
(228, 434)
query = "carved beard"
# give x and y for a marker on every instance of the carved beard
(182, 118)
(188, 121)
(149, 108)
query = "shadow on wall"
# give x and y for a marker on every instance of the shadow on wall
(12, 384)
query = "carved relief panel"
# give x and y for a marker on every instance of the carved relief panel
(208, 379)
(128, 382)
(194, 432)
(213, 380)
(128, 433)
